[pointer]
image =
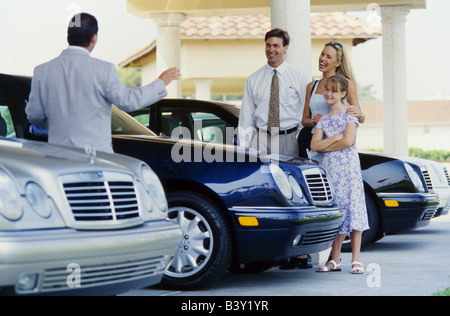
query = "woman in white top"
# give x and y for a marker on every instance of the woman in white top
(333, 60)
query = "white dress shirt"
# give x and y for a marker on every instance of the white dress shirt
(255, 103)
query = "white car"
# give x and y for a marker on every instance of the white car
(80, 223)
(437, 179)
(441, 185)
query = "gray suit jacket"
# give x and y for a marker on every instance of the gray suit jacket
(72, 95)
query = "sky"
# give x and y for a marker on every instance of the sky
(34, 31)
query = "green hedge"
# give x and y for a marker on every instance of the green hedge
(436, 155)
(443, 293)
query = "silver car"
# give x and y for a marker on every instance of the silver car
(441, 184)
(75, 222)
(437, 179)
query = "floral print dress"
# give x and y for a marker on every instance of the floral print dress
(344, 169)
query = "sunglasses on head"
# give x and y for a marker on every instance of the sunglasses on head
(337, 44)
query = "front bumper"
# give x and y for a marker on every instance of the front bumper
(412, 210)
(444, 205)
(71, 262)
(284, 232)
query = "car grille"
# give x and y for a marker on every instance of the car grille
(101, 197)
(427, 177)
(319, 237)
(57, 279)
(318, 185)
(446, 175)
(428, 215)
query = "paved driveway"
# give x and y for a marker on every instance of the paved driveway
(410, 263)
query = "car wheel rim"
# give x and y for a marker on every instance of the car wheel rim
(196, 246)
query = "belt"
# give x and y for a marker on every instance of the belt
(285, 132)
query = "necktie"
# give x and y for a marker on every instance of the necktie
(273, 124)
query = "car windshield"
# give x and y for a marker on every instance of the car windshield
(124, 124)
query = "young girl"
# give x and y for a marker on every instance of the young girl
(335, 135)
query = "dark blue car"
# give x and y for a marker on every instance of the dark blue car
(397, 194)
(238, 211)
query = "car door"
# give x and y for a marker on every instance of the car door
(189, 119)
(13, 123)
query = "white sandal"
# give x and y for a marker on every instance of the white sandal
(336, 267)
(359, 268)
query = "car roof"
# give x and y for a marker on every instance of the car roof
(233, 109)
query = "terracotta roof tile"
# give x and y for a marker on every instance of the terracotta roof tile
(328, 25)
(228, 26)
(335, 24)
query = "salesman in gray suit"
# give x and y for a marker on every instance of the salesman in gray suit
(72, 95)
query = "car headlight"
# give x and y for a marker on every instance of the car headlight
(145, 197)
(439, 173)
(11, 206)
(154, 187)
(38, 200)
(415, 179)
(281, 180)
(295, 186)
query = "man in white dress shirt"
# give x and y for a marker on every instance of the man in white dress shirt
(72, 95)
(286, 89)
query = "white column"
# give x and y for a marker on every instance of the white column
(203, 89)
(395, 108)
(294, 16)
(168, 50)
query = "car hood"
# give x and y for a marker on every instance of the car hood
(435, 169)
(167, 141)
(25, 159)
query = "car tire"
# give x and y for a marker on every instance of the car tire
(205, 252)
(372, 234)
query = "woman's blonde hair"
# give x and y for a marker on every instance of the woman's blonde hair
(345, 69)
